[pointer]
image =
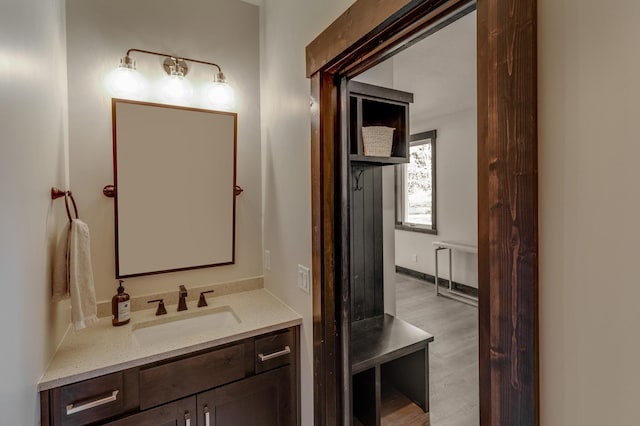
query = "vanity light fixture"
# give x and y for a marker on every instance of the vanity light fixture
(174, 88)
(219, 94)
(126, 82)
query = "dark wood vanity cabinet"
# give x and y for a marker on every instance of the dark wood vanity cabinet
(261, 400)
(177, 413)
(253, 381)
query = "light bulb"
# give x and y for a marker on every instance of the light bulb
(219, 95)
(175, 88)
(125, 81)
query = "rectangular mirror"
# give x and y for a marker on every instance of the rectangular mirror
(174, 172)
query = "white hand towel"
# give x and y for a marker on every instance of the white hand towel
(81, 286)
(60, 278)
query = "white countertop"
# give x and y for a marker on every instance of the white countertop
(102, 349)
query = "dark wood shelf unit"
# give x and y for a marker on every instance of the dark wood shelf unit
(388, 350)
(367, 274)
(356, 158)
(383, 349)
(371, 105)
(382, 339)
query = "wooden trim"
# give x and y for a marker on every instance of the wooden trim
(342, 242)
(370, 91)
(318, 287)
(326, 289)
(415, 228)
(507, 212)
(367, 33)
(351, 26)
(400, 225)
(370, 31)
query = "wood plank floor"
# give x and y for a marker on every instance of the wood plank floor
(398, 410)
(453, 356)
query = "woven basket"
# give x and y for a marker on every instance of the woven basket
(377, 140)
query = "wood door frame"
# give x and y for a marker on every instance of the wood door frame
(366, 34)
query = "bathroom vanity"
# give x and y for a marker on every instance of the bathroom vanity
(245, 372)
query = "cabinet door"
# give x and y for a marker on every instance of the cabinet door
(178, 413)
(262, 400)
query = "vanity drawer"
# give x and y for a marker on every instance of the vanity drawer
(88, 401)
(177, 379)
(273, 351)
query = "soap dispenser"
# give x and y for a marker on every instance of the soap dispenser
(120, 307)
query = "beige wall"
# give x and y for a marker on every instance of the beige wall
(456, 199)
(99, 33)
(589, 199)
(589, 209)
(589, 206)
(33, 158)
(288, 26)
(456, 153)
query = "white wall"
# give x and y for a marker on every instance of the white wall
(289, 25)
(450, 80)
(380, 75)
(99, 34)
(33, 158)
(589, 205)
(456, 199)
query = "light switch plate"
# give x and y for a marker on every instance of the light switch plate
(267, 260)
(304, 279)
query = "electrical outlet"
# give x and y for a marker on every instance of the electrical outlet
(304, 279)
(267, 260)
(414, 257)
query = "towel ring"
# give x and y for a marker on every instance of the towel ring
(66, 204)
(57, 193)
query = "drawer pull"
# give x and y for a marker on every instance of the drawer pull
(207, 421)
(72, 409)
(187, 419)
(285, 351)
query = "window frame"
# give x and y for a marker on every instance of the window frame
(422, 138)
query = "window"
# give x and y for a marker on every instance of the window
(416, 186)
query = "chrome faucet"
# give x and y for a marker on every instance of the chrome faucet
(182, 304)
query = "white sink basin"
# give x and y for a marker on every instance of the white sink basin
(187, 324)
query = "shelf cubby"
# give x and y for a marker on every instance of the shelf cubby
(371, 105)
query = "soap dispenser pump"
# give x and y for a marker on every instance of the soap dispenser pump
(120, 307)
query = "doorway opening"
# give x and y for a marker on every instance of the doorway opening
(364, 36)
(404, 209)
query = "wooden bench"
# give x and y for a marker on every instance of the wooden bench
(388, 349)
